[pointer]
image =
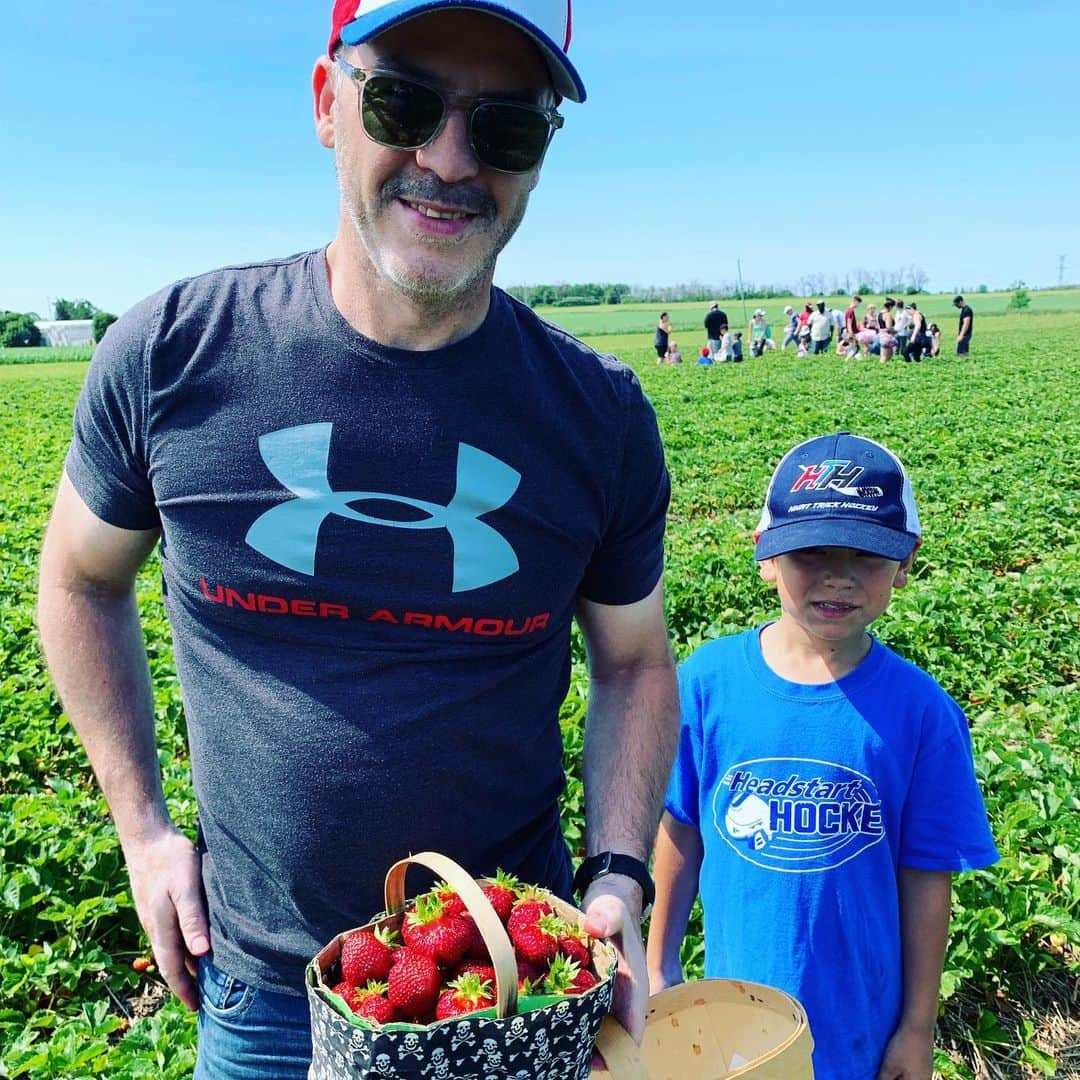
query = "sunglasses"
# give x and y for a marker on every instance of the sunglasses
(404, 114)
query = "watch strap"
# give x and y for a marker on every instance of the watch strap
(612, 862)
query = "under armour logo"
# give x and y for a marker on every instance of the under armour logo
(299, 458)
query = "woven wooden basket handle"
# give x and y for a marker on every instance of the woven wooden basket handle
(479, 907)
(621, 1054)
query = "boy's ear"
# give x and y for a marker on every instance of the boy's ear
(904, 570)
(767, 570)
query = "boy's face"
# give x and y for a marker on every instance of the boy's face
(831, 593)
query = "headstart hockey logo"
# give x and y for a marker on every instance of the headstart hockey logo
(797, 815)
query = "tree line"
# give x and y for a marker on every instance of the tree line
(18, 329)
(906, 280)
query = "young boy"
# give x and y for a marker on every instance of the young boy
(726, 342)
(736, 348)
(824, 788)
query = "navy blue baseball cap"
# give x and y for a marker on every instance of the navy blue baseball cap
(839, 491)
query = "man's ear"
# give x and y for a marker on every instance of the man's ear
(324, 88)
(904, 570)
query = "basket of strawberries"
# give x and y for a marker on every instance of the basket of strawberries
(479, 979)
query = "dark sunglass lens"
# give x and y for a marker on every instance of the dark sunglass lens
(400, 113)
(509, 137)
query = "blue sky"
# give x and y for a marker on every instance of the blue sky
(146, 142)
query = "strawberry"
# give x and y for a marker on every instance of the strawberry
(567, 977)
(529, 977)
(369, 1001)
(365, 956)
(501, 894)
(538, 942)
(573, 943)
(451, 902)
(530, 907)
(430, 930)
(485, 972)
(413, 985)
(464, 995)
(477, 949)
(376, 1007)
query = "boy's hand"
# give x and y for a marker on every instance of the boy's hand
(661, 980)
(909, 1055)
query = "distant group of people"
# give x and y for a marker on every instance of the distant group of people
(899, 329)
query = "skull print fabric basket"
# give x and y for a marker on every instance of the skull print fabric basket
(540, 1038)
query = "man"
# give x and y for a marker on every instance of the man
(851, 317)
(384, 489)
(715, 324)
(902, 326)
(967, 321)
(820, 329)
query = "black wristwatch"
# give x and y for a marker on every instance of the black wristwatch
(610, 862)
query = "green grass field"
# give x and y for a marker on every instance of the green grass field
(993, 612)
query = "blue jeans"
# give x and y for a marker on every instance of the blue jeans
(249, 1034)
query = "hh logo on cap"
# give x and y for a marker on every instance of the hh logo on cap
(835, 475)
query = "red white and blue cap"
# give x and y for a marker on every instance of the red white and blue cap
(547, 22)
(839, 491)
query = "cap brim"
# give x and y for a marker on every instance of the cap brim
(860, 535)
(564, 77)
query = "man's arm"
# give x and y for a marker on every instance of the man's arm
(965, 326)
(925, 896)
(679, 853)
(630, 737)
(94, 648)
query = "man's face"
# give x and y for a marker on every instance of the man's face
(389, 196)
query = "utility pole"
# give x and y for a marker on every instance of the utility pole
(1061, 270)
(742, 295)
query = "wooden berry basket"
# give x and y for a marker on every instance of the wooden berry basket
(549, 1038)
(713, 1029)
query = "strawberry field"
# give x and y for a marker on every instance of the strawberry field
(992, 446)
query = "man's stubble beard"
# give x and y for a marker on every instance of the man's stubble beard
(435, 292)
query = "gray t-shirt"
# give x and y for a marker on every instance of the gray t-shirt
(371, 559)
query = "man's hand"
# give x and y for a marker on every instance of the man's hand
(611, 912)
(909, 1055)
(166, 883)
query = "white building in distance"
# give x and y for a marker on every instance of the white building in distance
(66, 331)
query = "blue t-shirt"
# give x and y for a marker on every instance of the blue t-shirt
(371, 558)
(808, 799)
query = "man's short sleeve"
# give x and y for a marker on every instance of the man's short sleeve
(944, 823)
(684, 788)
(630, 558)
(107, 462)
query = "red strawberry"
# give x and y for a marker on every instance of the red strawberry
(538, 942)
(566, 977)
(477, 949)
(376, 1007)
(485, 972)
(451, 902)
(414, 985)
(583, 980)
(369, 1001)
(365, 957)
(464, 995)
(574, 945)
(501, 893)
(445, 938)
(529, 977)
(528, 909)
